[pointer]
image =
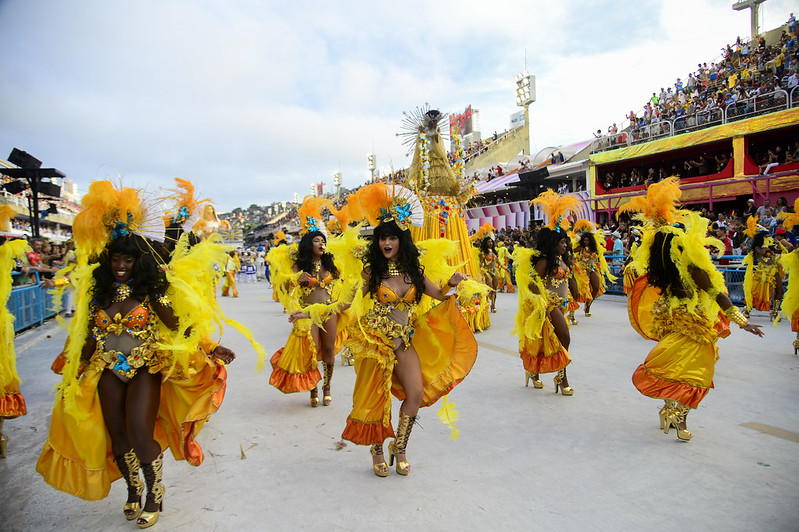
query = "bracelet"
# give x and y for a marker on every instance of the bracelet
(736, 316)
(451, 285)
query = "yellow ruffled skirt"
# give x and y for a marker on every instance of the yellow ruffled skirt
(77, 457)
(295, 367)
(763, 285)
(447, 351)
(584, 285)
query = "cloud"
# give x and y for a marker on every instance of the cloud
(253, 101)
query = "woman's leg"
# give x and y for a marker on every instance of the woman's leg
(327, 340)
(593, 278)
(141, 408)
(112, 392)
(564, 336)
(409, 373)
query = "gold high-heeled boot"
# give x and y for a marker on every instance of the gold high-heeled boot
(796, 344)
(572, 319)
(314, 397)
(529, 376)
(558, 380)
(128, 465)
(676, 417)
(398, 445)
(587, 308)
(665, 411)
(153, 477)
(326, 397)
(775, 309)
(380, 469)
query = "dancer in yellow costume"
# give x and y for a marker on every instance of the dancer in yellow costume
(417, 357)
(590, 268)
(443, 192)
(790, 264)
(505, 282)
(12, 403)
(542, 276)
(232, 265)
(678, 302)
(630, 271)
(317, 314)
(142, 379)
(763, 278)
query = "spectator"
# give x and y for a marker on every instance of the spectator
(750, 208)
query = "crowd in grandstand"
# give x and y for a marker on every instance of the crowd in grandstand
(748, 79)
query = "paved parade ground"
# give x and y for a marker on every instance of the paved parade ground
(526, 459)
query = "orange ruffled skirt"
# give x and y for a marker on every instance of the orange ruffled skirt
(447, 351)
(295, 366)
(77, 457)
(762, 289)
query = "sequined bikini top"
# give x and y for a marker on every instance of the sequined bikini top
(134, 323)
(386, 296)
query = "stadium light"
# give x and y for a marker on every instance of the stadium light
(525, 89)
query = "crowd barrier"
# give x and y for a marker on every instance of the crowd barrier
(30, 304)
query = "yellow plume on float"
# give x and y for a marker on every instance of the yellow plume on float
(310, 213)
(485, 230)
(790, 219)
(659, 206)
(6, 215)
(556, 207)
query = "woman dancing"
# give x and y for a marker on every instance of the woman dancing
(489, 264)
(677, 302)
(416, 357)
(120, 383)
(12, 403)
(542, 277)
(315, 287)
(590, 269)
(790, 263)
(763, 279)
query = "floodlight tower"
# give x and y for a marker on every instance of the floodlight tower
(370, 164)
(525, 95)
(754, 7)
(337, 182)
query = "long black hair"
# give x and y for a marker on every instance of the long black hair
(663, 273)
(147, 278)
(407, 259)
(547, 246)
(305, 255)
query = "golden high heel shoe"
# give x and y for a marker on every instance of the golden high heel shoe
(3, 444)
(128, 465)
(559, 378)
(796, 345)
(572, 319)
(380, 469)
(398, 445)
(153, 476)
(528, 376)
(665, 411)
(314, 398)
(587, 309)
(676, 417)
(326, 397)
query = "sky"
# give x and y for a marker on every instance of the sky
(253, 100)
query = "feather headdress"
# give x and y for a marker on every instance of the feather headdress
(485, 230)
(584, 226)
(108, 213)
(556, 208)
(310, 213)
(187, 209)
(6, 215)
(790, 219)
(278, 237)
(659, 206)
(382, 203)
(752, 227)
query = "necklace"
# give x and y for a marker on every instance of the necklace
(393, 270)
(317, 265)
(123, 292)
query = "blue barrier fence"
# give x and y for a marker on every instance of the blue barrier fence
(30, 305)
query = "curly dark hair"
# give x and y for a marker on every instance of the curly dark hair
(663, 273)
(147, 279)
(484, 245)
(305, 255)
(591, 242)
(407, 260)
(547, 246)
